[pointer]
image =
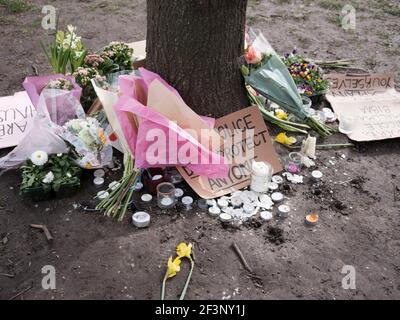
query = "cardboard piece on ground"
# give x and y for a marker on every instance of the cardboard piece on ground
(371, 100)
(240, 169)
(16, 116)
(139, 51)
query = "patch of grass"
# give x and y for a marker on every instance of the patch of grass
(280, 2)
(16, 6)
(393, 10)
(335, 19)
(330, 4)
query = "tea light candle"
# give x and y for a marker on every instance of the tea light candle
(225, 218)
(187, 202)
(266, 215)
(236, 202)
(98, 182)
(211, 202)
(277, 197)
(214, 211)
(141, 219)
(138, 186)
(146, 198)
(178, 192)
(273, 186)
(316, 175)
(248, 208)
(176, 178)
(222, 203)
(277, 179)
(283, 211)
(99, 173)
(113, 185)
(312, 219)
(166, 202)
(157, 177)
(102, 195)
(202, 204)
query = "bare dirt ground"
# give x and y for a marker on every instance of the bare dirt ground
(96, 257)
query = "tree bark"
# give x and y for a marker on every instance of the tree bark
(195, 45)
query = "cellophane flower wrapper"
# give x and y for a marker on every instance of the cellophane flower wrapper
(269, 76)
(34, 86)
(137, 119)
(54, 108)
(63, 107)
(108, 97)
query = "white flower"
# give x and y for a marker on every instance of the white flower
(69, 175)
(49, 177)
(59, 155)
(39, 158)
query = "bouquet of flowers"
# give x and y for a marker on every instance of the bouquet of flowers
(306, 75)
(91, 145)
(120, 54)
(67, 52)
(60, 83)
(268, 75)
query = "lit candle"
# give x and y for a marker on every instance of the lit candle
(312, 219)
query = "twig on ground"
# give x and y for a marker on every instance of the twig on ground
(20, 293)
(242, 258)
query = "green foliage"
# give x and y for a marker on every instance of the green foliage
(16, 6)
(63, 168)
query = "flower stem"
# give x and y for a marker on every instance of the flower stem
(187, 280)
(163, 286)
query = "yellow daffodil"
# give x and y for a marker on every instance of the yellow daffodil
(173, 267)
(184, 251)
(282, 138)
(281, 114)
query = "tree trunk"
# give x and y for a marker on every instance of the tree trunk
(195, 45)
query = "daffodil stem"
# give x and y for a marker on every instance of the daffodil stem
(163, 286)
(187, 280)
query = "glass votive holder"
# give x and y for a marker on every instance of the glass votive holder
(294, 161)
(165, 195)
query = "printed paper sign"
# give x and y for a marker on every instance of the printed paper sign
(370, 101)
(16, 115)
(254, 146)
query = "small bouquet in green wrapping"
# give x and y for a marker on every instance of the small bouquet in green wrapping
(268, 75)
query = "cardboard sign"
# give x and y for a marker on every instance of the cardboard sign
(254, 146)
(16, 115)
(370, 100)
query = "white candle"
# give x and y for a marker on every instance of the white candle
(102, 195)
(225, 217)
(266, 215)
(277, 179)
(99, 173)
(283, 211)
(273, 186)
(113, 185)
(277, 197)
(141, 219)
(316, 175)
(98, 182)
(178, 192)
(146, 198)
(214, 211)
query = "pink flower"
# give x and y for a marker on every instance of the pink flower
(253, 56)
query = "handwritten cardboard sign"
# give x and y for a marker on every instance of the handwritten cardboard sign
(256, 146)
(370, 100)
(16, 115)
